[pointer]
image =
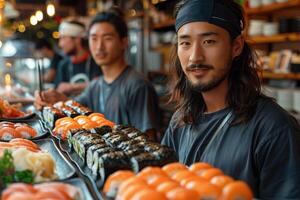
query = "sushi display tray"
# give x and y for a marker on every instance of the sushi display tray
(64, 168)
(96, 183)
(79, 183)
(36, 123)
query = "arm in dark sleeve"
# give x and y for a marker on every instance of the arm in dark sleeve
(278, 159)
(143, 108)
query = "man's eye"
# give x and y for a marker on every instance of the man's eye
(184, 43)
(209, 42)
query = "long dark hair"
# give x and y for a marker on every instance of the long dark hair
(244, 84)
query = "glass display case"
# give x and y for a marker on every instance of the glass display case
(20, 70)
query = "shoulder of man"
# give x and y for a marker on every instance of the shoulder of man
(135, 79)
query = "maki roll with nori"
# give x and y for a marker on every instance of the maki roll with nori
(116, 139)
(51, 114)
(143, 160)
(111, 162)
(165, 155)
(80, 109)
(103, 130)
(96, 155)
(90, 153)
(69, 111)
(83, 141)
(150, 147)
(134, 152)
(134, 134)
(125, 144)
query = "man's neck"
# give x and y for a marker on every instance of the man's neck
(112, 72)
(215, 99)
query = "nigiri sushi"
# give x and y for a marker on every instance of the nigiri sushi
(26, 131)
(8, 133)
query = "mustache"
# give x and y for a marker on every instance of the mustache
(199, 66)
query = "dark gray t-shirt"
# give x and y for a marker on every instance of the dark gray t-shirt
(130, 99)
(264, 152)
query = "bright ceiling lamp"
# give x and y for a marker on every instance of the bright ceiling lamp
(33, 20)
(50, 9)
(39, 15)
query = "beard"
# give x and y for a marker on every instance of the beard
(216, 81)
(205, 87)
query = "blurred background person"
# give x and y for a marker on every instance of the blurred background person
(46, 50)
(78, 68)
(122, 94)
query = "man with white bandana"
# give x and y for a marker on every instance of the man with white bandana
(74, 72)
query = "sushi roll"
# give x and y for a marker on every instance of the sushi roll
(111, 162)
(134, 152)
(26, 131)
(82, 142)
(95, 160)
(125, 144)
(69, 111)
(51, 114)
(8, 133)
(165, 155)
(102, 130)
(90, 153)
(150, 147)
(142, 138)
(143, 160)
(134, 134)
(115, 140)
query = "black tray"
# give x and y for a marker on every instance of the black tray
(64, 168)
(35, 123)
(84, 170)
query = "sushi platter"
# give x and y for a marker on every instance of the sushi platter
(25, 128)
(64, 168)
(78, 147)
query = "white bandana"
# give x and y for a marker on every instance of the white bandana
(70, 29)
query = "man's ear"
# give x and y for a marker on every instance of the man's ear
(125, 42)
(238, 45)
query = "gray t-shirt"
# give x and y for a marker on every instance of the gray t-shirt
(264, 152)
(130, 99)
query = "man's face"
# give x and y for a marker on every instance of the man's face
(67, 44)
(205, 54)
(105, 44)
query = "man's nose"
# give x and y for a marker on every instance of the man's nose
(197, 54)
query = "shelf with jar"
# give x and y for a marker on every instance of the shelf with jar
(258, 7)
(283, 37)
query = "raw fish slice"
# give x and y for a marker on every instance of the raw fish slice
(25, 142)
(64, 120)
(63, 188)
(81, 119)
(26, 132)
(22, 196)
(8, 133)
(114, 181)
(17, 188)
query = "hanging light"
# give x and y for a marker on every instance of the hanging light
(33, 20)
(50, 9)
(39, 15)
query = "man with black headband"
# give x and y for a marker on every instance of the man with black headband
(122, 94)
(222, 117)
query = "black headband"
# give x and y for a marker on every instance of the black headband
(209, 11)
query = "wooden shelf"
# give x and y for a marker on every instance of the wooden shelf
(272, 7)
(165, 24)
(287, 37)
(274, 75)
